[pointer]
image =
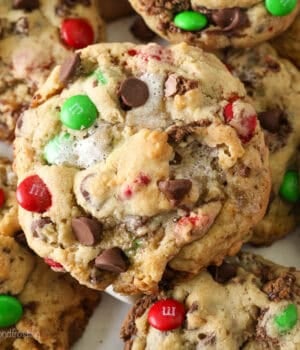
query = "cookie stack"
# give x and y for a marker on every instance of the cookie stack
(145, 168)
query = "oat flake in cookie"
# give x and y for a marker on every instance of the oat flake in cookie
(246, 303)
(273, 83)
(220, 23)
(143, 156)
(35, 36)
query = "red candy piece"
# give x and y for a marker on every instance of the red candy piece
(228, 112)
(33, 195)
(193, 220)
(2, 197)
(53, 263)
(250, 125)
(166, 315)
(142, 179)
(77, 33)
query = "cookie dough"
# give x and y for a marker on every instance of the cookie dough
(246, 303)
(114, 9)
(217, 24)
(35, 37)
(288, 44)
(56, 308)
(142, 154)
(274, 85)
(9, 223)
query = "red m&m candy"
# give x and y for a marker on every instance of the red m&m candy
(54, 265)
(77, 33)
(166, 314)
(33, 195)
(2, 197)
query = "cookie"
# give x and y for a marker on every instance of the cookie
(214, 24)
(9, 223)
(35, 37)
(40, 309)
(288, 44)
(114, 9)
(143, 154)
(274, 85)
(246, 303)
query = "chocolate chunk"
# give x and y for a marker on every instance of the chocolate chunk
(69, 67)
(141, 31)
(134, 92)
(87, 231)
(175, 190)
(39, 224)
(270, 119)
(280, 288)
(178, 85)
(113, 260)
(230, 19)
(223, 273)
(26, 4)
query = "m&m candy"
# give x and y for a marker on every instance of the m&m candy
(77, 33)
(287, 319)
(280, 7)
(56, 146)
(54, 265)
(190, 21)
(2, 197)
(166, 314)
(11, 311)
(290, 186)
(78, 112)
(33, 195)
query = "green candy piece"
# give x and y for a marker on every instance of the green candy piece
(55, 146)
(100, 77)
(190, 20)
(78, 112)
(290, 187)
(280, 7)
(11, 311)
(287, 319)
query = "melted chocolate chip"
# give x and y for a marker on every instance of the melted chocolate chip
(69, 67)
(113, 260)
(141, 31)
(134, 92)
(271, 119)
(223, 273)
(26, 4)
(87, 231)
(175, 190)
(230, 19)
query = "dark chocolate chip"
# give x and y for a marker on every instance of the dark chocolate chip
(270, 119)
(134, 92)
(68, 67)
(26, 4)
(141, 31)
(175, 189)
(230, 19)
(87, 231)
(113, 260)
(223, 273)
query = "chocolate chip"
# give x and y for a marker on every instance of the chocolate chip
(39, 224)
(223, 273)
(230, 19)
(141, 31)
(26, 4)
(113, 260)
(68, 67)
(134, 92)
(270, 119)
(175, 190)
(87, 231)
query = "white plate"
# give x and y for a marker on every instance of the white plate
(103, 330)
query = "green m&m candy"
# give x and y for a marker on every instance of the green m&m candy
(78, 112)
(55, 148)
(190, 20)
(290, 187)
(287, 319)
(11, 311)
(280, 7)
